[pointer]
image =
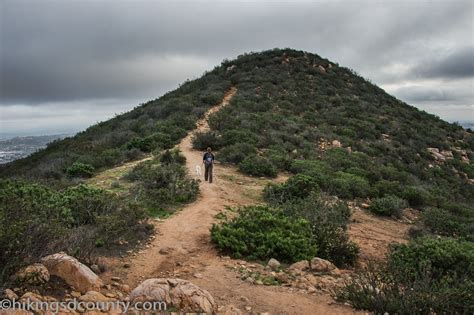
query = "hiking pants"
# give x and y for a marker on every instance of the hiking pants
(208, 172)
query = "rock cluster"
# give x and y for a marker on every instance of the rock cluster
(306, 276)
(86, 286)
(177, 293)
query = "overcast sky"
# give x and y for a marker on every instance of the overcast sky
(67, 64)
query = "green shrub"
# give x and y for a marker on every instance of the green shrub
(446, 223)
(425, 276)
(328, 219)
(388, 206)
(172, 157)
(86, 204)
(232, 137)
(203, 140)
(78, 169)
(296, 187)
(142, 144)
(416, 196)
(443, 256)
(347, 185)
(36, 221)
(379, 290)
(385, 187)
(257, 166)
(260, 233)
(163, 184)
(282, 160)
(236, 153)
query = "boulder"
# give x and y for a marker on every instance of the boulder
(35, 274)
(73, 272)
(321, 265)
(273, 264)
(436, 154)
(299, 266)
(336, 144)
(178, 293)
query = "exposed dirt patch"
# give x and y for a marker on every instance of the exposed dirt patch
(374, 234)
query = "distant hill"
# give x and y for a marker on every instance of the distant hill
(19, 147)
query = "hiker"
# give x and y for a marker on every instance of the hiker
(208, 161)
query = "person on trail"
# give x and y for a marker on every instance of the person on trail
(208, 161)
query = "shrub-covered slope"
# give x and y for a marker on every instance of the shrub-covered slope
(291, 105)
(155, 125)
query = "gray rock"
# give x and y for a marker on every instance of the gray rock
(273, 264)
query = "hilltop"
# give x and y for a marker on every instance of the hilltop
(316, 164)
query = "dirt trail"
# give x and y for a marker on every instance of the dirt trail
(182, 246)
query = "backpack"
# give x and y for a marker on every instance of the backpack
(208, 160)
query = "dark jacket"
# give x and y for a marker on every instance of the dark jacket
(208, 158)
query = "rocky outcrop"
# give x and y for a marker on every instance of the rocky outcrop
(321, 265)
(178, 293)
(440, 155)
(299, 267)
(73, 272)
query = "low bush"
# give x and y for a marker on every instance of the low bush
(282, 160)
(388, 206)
(261, 232)
(236, 153)
(416, 196)
(443, 256)
(172, 157)
(203, 140)
(378, 290)
(296, 187)
(142, 144)
(163, 184)
(443, 222)
(349, 186)
(328, 219)
(36, 221)
(425, 276)
(79, 169)
(258, 166)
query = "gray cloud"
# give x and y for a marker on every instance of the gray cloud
(457, 64)
(422, 94)
(70, 53)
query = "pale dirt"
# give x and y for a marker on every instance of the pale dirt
(185, 236)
